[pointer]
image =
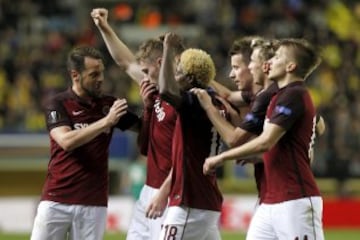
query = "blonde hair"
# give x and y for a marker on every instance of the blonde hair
(198, 63)
(153, 48)
(267, 47)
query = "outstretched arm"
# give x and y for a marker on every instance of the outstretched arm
(235, 97)
(121, 54)
(231, 135)
(268, 138)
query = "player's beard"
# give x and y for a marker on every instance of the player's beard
(90, 92)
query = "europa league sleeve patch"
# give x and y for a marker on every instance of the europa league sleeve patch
(53, 117)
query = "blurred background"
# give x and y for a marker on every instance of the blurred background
(36, 35)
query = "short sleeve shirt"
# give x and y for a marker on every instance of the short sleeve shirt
(287, 164)
(159, 142)
(80, 176)
(195, 139)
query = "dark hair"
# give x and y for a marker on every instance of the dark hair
(306, 56)
(242, 46)
(75, 59)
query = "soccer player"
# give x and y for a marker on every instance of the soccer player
(292, 205)
(194, 199)
(252, 124)
(80, 123)
(240, 53)
(158, 123)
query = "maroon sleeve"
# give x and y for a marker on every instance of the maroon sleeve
(288, 108)
(55, 114)
(127, 121)
(143, 137)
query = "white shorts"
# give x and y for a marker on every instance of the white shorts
(295, 219)
(141, 227)
(189, 223)
(57, 221)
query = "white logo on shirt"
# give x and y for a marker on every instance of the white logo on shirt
(77, 113)
(80, 125)
(160, 113)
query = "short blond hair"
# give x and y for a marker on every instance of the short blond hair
(198, 63)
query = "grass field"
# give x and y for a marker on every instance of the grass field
(329, 235)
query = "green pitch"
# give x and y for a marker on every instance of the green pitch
(329, 235)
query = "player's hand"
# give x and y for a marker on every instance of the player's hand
(117, 110)
(235, 117)
(100, 16)
(211, 163)
(172, 39)
(157, 206)
(147, 91)
(203, 97)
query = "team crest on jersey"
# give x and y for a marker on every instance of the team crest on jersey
(53, 117)
(159, 110)
(105, 109)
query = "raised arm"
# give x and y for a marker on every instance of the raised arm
(168, 87)
(121, 54)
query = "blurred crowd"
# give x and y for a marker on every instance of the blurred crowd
(37, 34)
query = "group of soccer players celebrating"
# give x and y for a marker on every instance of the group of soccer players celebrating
(269, 121)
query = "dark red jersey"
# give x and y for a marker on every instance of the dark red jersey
(287, 164)
(156, 142)
(254, 122)
(195, 139)
(80, 176)
(254, 119)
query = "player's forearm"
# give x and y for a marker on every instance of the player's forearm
(120, 52)
(168, 87)
(234, 97)
(220, 89)
(78, 137)
(166, 185)
(253, 147)
(222, 126)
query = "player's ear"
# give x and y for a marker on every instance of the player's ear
(158, 61)
(75, 76)
(291, 66)
(266, 67)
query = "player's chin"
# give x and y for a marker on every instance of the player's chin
(98, 93)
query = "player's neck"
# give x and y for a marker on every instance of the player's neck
(289, 78)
